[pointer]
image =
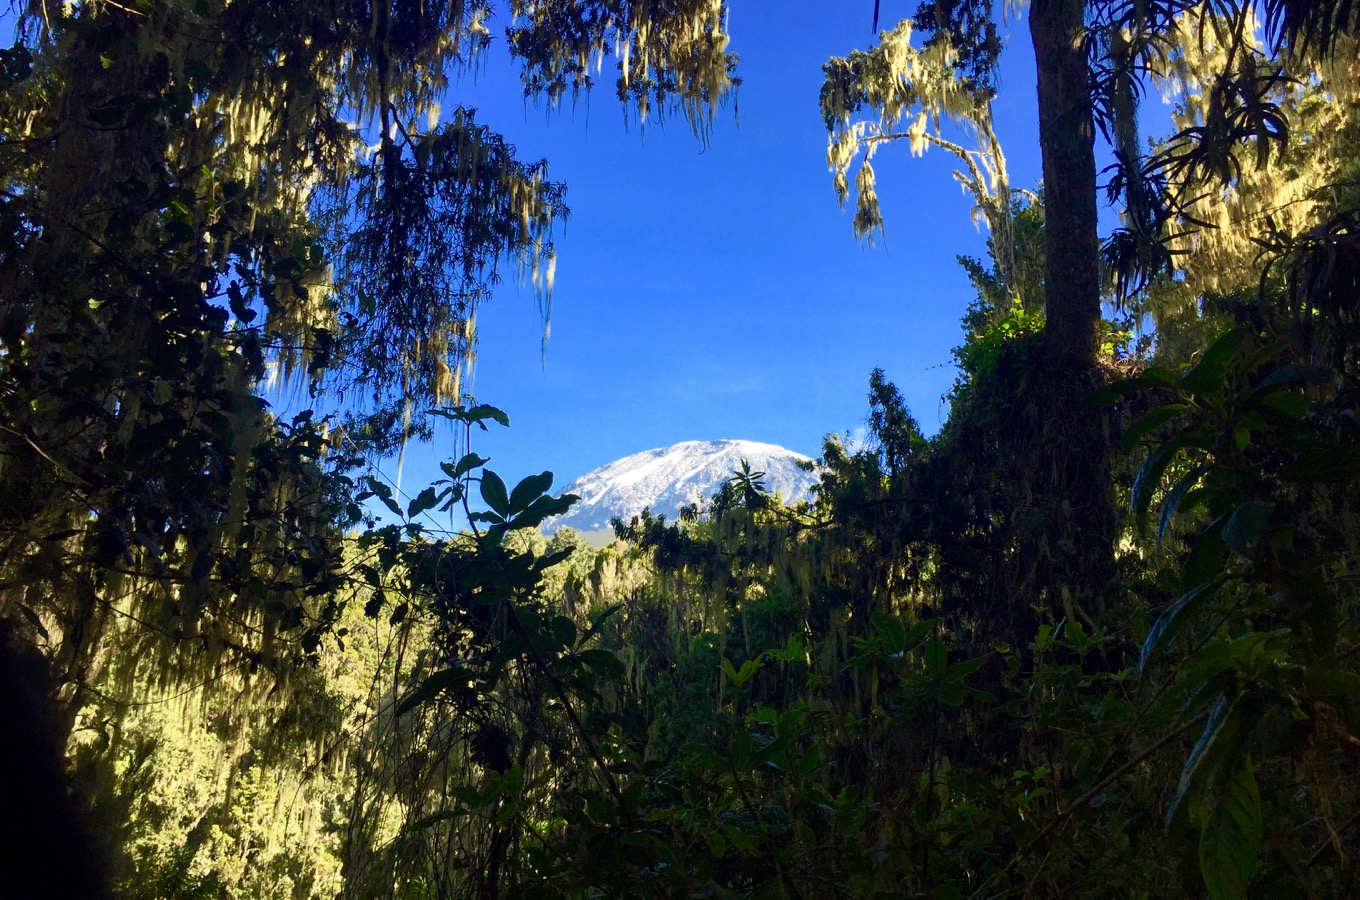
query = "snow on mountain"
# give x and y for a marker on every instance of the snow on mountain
(668, 478)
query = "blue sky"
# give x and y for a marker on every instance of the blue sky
(717, 291)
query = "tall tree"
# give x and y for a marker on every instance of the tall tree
(1065, 472)
(192, 204)
(910, 93)
(1067, 143)
(1091, 60)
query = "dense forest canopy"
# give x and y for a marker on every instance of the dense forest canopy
(1096, 636)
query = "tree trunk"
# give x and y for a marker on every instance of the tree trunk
(1067, 140)
(46, 838)
(1074, 481)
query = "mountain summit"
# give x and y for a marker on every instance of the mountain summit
(668, 478)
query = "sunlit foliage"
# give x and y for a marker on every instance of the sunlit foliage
(958, 671)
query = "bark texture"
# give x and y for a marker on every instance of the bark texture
(1067, 140)
(1072, 473)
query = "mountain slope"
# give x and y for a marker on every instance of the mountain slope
(668, 478)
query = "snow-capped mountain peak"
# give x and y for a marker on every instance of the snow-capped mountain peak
(668, 478)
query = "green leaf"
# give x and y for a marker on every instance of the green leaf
(936, 656)
(141, 540)
(774, 754)
(1221, 747)
(1149, 477)
(603, 662)
(1263, 354)
(1293, 375)
(543, 508)
(1153, 376)
(1338, 689)
(426, 499)
(434, 819)
(1172, 501)
(962, 670)
(1205, 561)
(1284, 407)
(915, 636)
(455, 496)
(563, 631)
(494, 494)
(598, 620)
(1246, 523)
(741, 748)
(739, 677)
(202, 566)
(383, 493)
(950, 693)
(891, 632)
(482, 411)
(1206, 376)
(1230, 839)
(477, 415)
(1218, 715)
(1149, 423)
(1169, 623)
(529, 490)
(469, 462)
(549, 560)
(34, 620)
(431, 688)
